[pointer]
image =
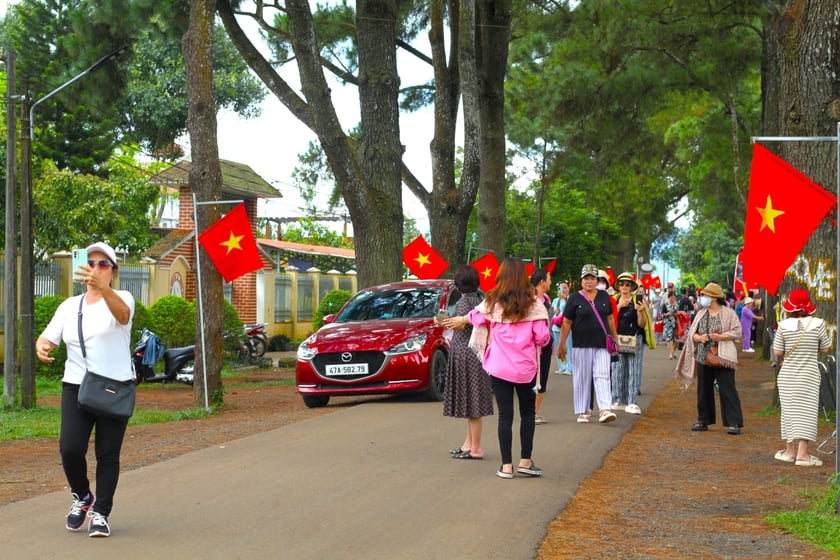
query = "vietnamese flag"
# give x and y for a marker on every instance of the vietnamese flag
(231, 245)
(529, 269)
(487, 267)
(656, 283)
(423, 261)
(550, 266)
(784, 207)
(611, 275)
(647, 281)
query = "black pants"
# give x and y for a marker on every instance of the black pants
(76, 427)
(504, 390)
(730, 403)
(546, 355)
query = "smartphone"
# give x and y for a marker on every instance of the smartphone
(80, 257)
(442, 315)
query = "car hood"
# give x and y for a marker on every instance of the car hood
(369, 335)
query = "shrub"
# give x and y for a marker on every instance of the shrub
(142, 320)
(173, 320)
(330, 304)
(280, 343)
(44, 309)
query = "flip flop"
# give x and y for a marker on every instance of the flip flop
(466, 455)
(458, 451)
(780, 456)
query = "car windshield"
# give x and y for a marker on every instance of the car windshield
(392, 304)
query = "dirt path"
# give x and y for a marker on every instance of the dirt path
(663, 492)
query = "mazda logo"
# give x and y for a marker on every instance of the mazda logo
(346, 357)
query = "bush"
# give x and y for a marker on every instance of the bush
(330, 304)
(142, 320)
(280, 343)
(44, 309)
(173, 320)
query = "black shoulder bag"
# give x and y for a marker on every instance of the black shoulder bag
(103, 396)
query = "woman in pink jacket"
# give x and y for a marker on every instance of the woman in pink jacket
(511, 327)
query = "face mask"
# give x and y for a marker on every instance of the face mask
(705, 301)
(602, 287)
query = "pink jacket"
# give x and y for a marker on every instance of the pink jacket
(513, 350)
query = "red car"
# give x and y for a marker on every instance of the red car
(383, 341)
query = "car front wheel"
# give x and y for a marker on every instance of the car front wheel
(437, 376)
(316, 401)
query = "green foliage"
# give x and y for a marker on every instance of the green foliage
(708, 251)
(329, 304)
(280, 343)
(818, 525)
(44, 309)
(315, 233)
(232, 322)
(70, 209)
(142, 320)
(173, 318)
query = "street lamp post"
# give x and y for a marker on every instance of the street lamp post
(27, 295)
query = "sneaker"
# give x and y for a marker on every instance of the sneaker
(583, 418)
(78, 512)
(606, 416)
(749, 350)
(533, 470)
(502, 474)
(616, 404)
(98, 525)
(633, 409)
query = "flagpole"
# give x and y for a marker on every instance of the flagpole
(836, 140)
(198, 287)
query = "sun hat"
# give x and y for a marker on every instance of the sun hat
(712, 290)
(747, 300)
(626, 276)
(799, 300)
(101, 247)
(589, 270)
(603, 274)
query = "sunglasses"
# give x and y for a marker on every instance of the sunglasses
(625, 283)
(100, 264)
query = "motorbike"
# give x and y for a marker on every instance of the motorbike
(256, 340)
(178, 363)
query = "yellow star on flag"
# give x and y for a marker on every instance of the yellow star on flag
(487, 272)
(232, 243)
(769, 215)
(422, 259)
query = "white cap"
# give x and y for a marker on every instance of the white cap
(747, 300)
(101, 247)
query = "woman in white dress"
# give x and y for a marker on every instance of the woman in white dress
(799, 339)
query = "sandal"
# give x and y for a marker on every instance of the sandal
(810, 462)
(539, 420)
(699, 427)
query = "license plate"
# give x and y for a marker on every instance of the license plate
(347, 369)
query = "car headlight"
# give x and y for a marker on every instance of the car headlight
(413, 344)
(304, 352)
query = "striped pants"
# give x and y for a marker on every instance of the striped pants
(588, 365)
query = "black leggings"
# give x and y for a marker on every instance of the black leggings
(76, 427)
(503, 390)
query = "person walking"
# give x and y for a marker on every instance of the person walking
(632, 318)
(106, 316)
(799, 340)
(589, 318)
(467, 392)
(669, 328)
(541, 280)
(510, 328)
(711, 336)
(564, 367)
(747, 317)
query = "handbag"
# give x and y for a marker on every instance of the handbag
(557, 320)
(712, 358)
(612, 348)
(103, 396)
(626, 344)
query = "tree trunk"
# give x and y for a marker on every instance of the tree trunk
(206, 182)
(801, 65)
(493, 20)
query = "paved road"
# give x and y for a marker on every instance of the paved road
(374, 481)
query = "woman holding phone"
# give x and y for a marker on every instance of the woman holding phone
(106, 326)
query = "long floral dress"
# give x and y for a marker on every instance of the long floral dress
(467, 392)
(669, 329)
